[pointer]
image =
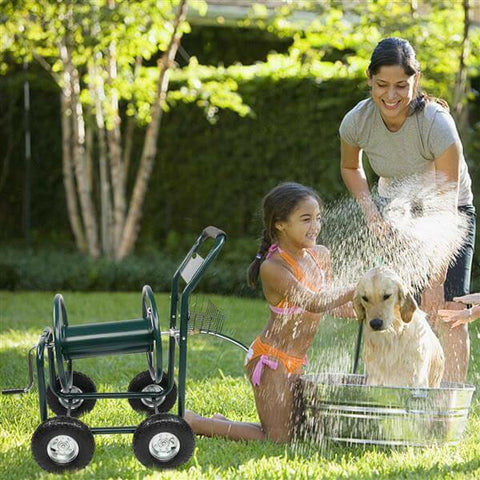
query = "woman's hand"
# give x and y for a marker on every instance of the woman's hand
(379, 227)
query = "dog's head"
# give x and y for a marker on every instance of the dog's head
(379, 296)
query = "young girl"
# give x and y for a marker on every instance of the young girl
(295, 273)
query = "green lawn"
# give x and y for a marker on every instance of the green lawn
(215, 383)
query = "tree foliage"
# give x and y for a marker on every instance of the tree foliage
(111, 61)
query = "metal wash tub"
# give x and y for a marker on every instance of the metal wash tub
(340, 407)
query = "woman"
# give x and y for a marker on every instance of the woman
(405, 132)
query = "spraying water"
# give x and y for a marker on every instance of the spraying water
(425, 235)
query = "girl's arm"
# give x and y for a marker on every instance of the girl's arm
(462, 316)
(278, 282)
(472, 298)
(343, 311)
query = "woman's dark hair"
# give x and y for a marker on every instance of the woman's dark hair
(397, 51)
(277, 205)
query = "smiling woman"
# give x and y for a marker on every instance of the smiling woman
(406, 133)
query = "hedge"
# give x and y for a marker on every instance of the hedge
(204, 175)
(50, 269)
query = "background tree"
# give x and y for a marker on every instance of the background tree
(111, 60)
(106, 59)
(345, 33)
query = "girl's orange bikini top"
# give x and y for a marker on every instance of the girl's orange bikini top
(284, 307)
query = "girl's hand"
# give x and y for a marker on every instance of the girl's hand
(455, 317)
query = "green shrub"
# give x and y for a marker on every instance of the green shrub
(58, 271)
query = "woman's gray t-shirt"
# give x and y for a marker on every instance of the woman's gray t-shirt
(423, 137)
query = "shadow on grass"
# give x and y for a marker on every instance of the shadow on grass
(19, 464)
(435, 472)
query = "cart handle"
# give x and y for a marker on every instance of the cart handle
(12, 391)
(212, 232)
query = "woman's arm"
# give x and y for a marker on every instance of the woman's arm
(447, 168)
(355, 180)
(278, 283)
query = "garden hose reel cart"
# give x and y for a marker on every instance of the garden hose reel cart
(163, 440)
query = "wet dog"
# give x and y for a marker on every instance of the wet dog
(400, 348)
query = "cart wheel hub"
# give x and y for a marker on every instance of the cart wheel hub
(149, 402)
(164, 446)
(73, 403)
(62, 449)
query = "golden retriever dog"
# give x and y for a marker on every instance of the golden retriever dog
(400, 348)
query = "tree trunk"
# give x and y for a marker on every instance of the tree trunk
(79, 161)
(7, 124)
(106, 217)
(68, 178)
(77, 134)
(115, 149)
(89, 155)
(459, 103)
(414, 9)
(130, 127)
(149, 152)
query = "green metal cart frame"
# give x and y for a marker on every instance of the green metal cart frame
(162, 440)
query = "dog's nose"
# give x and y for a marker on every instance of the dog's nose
(376, 323)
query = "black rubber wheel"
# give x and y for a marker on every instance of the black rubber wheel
(143, 382)
(81, 384)
(61, 444)
(163, 441)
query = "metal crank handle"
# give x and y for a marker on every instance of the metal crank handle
(13, 391)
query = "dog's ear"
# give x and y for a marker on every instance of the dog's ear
(358, 307)
(408, 305)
